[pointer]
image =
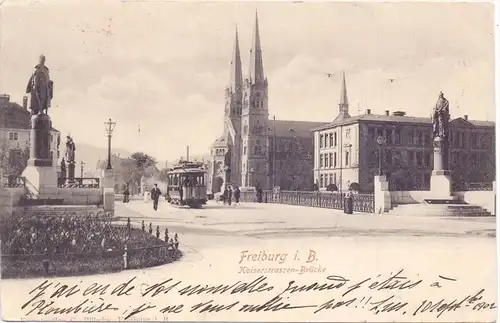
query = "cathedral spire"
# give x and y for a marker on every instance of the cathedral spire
(236, 78)
(344, 102)
(256, 65)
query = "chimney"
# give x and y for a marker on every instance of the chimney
(25, 102)
(368, 111)
(187, 153)
(466, 117)
(386, 112)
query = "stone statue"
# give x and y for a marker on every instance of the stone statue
(70, 149)
(63, 168)
(441, 117)
(41, 88)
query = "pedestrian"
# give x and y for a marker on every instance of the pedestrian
(229, 195)
(224, 194)
(155, 195)
(150, 228)
(176, 241)
(259, 194)
(126, 195)
(166, 235)
(143, 227)
(158, 232)
(237, 194)
(348, 202)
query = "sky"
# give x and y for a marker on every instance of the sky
(163, 66)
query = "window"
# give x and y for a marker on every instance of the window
(335, 159)
(331, 139)
(326, 161)
(321, 160)
(13, 136)
(347, 158)
(348, 134)
(320, 141)
(427, 159)
(244, 150)
(331, 159)
(388, 158)
(397, 138)
(371, 133)
(331, 179)
(322, 181)
(419, 158)
(335, 139)
(335, 178)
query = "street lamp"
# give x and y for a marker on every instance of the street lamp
(380, 142)
(82, 163)
(109, 130)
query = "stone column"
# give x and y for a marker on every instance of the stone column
(71, 172)
(108, 197)
(40, 173)
(441, 176)
(382, 194)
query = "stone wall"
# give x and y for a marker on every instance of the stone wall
(10, 198)
(485, 199)
(75, 196)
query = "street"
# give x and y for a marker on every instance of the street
(225, 244)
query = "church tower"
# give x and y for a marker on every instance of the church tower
(344, 102)
(254, 119)
(225, 164)
(232, 115)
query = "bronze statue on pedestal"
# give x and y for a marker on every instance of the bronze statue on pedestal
(41, 88)
(441, 117)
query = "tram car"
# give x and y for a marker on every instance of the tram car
(187, 185)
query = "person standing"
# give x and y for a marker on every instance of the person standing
(155, 195)
(348, 209)
(229, 195)
(126, 195)
(237, 194)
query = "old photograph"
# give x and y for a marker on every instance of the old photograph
(247, 161)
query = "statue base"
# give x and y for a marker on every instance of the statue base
(40, 178)
(441, 184)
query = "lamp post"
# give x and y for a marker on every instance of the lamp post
(82, 163)
(110, 126)
(380, 142)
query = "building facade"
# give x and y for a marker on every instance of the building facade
(244, 155)
(346, 150)
(15, 124)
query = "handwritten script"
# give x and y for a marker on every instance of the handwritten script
(384, 293)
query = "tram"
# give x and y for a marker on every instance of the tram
(186, 185)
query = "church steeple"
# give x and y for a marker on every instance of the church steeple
(344, 102)
(236, 74)
(256, 73)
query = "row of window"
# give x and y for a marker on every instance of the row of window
(472, 140)
(329, 140)
(329, 160)
(397, 158)
(327, 179)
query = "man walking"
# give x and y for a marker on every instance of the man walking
(155, 195)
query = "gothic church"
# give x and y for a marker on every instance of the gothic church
(253, 150)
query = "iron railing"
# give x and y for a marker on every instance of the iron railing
(329, 200)
(12, 181)
(81, 182)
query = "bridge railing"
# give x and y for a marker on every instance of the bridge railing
(80, 182)
(329, 200)
(11, 181)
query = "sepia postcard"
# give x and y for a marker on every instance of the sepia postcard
(247, 161)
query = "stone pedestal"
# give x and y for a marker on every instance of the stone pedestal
(382, 194)
(39, 173)
(108, 197)
(71, 172)
(440, 176)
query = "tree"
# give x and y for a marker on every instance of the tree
(13, 161)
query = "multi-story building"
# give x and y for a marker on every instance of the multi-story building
(346, 150)
(15, 123)
(244, 155)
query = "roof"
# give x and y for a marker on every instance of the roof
(14, 116)
(285, 128)
(398, 119)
